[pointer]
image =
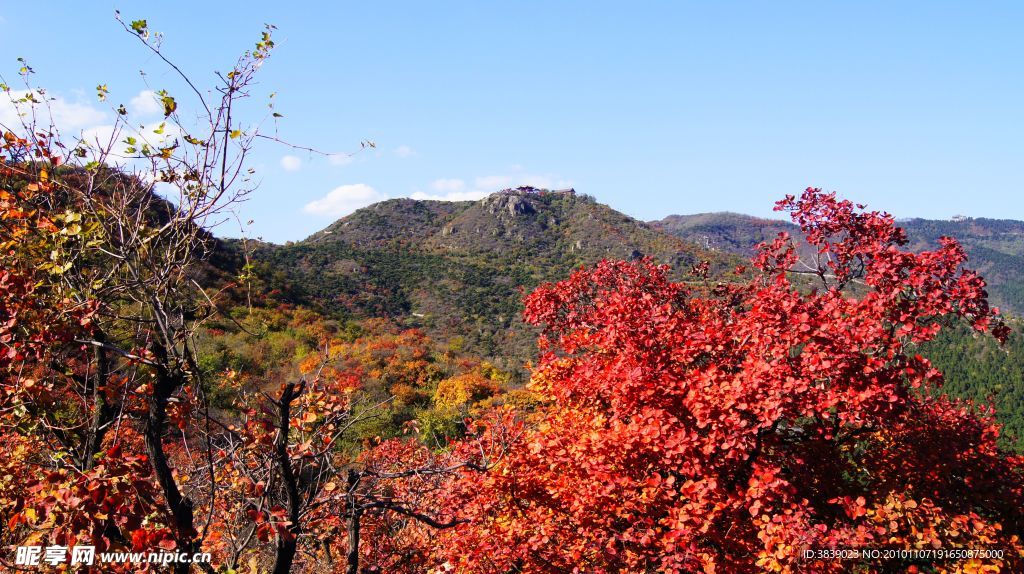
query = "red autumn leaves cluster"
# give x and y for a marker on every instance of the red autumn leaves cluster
(727, 430)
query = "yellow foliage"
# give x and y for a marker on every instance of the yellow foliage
(463, 390)
(310, 363)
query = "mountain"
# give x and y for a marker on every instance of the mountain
(995, 247)
(458, 269)
(724, 231)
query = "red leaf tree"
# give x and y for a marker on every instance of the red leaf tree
(729, 429)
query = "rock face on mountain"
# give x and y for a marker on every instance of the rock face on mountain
(458, 269)
(995, 246)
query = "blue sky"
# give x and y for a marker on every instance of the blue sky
(654, 108)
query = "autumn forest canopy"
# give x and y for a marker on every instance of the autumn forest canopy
(569, 390)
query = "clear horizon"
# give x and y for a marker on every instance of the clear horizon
(652, 109)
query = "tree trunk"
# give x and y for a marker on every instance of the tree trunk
(181, 508)
(287, 544)
(285, 555)
(103, 411)
(353, 542)
(353, 515)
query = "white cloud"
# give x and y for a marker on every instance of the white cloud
(101, 138)
(291, 163)
(448, 185)
(343, 200)
(74, 116)
(146, 104)
(75, 119)
(66, 115)
(404, 151)
(451, 196)
(93, 126)
(106, 139)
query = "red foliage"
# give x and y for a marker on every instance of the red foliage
(729, 431)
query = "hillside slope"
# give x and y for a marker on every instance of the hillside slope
(458, 269)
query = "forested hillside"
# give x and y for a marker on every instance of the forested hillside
(459, 270)
(984, 371)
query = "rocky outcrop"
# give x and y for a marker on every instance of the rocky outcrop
(512, 201)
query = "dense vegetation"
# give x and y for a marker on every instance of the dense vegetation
(975, 368)
(356, 402)
(685, 433)
(460, 269)
(984, 371)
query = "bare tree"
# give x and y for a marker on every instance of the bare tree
(144, 199)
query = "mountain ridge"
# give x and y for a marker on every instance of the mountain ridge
(995, 247)
(458, 269)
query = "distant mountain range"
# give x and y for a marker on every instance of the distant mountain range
(995, 247)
